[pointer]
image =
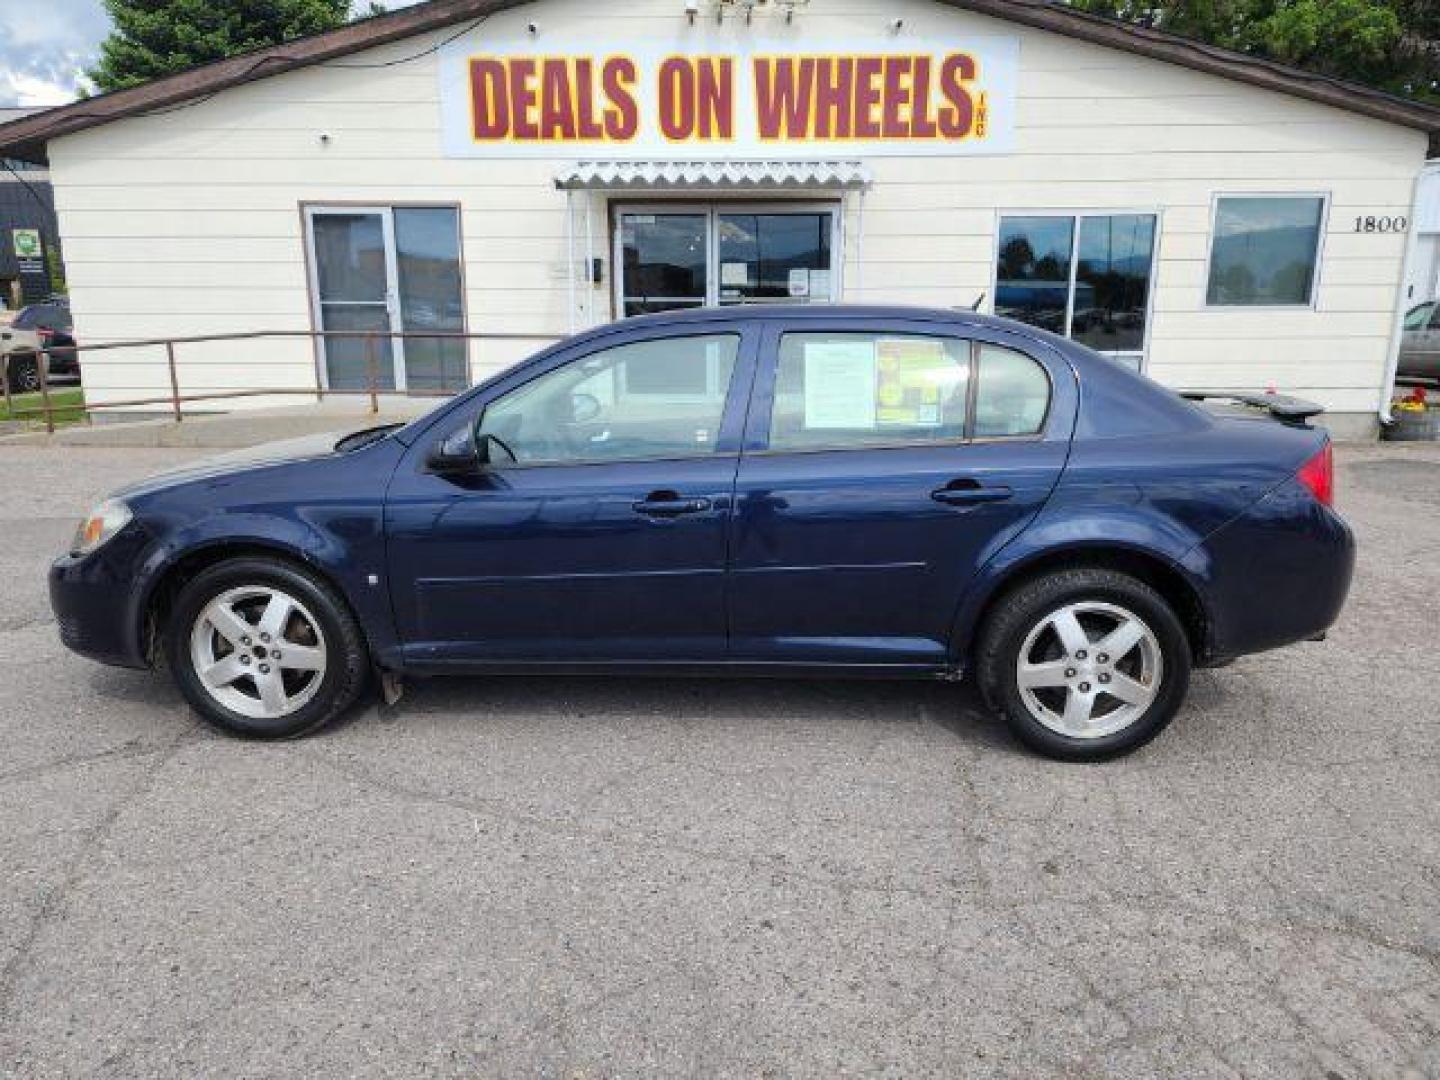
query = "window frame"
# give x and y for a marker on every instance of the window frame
(1322, 230)
(732, 411)
(712, 209)
(1075, 214)
(762, 397)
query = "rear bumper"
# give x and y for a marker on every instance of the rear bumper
(1278, 574)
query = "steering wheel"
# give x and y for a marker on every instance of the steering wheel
(502, 444)
(584, 408)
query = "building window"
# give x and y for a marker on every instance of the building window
(388, 272)
(1085, 276)
(1264, 250)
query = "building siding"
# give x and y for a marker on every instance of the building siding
(190, 222)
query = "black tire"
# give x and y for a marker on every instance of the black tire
(24, 373)
(1028, 608)
(347, 665)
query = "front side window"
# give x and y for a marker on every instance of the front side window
(649, 399)
(855, 390)
(1264, 251)
(1084, 276)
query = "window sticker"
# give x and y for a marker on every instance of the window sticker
(734, 273)
(914, 376)
(840, 385)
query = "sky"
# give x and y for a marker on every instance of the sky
(46, 44)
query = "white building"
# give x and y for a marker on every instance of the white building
(536, 168)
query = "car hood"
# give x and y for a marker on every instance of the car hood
(282, 452)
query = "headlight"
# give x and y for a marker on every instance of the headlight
(104, 521)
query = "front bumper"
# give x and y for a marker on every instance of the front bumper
(95, 603)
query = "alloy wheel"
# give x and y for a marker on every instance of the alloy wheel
(1089, 669)
(258, 651)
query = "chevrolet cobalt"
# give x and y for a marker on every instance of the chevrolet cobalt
(795, 491)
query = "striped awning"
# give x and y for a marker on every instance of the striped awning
(758, 175)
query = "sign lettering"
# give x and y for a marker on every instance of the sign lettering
(501, 99)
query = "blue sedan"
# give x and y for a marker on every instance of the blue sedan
(807, 491)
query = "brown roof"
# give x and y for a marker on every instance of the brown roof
(26, 138)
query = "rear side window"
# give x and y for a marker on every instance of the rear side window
(49, 316)
(856, 390)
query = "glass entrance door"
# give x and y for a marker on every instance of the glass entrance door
(683, 255)
(387, 270)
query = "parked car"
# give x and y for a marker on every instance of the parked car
(39, 331)
(1420, 343)
(814, 491)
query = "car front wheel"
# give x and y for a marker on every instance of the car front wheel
(262, 649)
(1085, 664)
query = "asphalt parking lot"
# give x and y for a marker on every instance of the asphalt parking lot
(581, 878)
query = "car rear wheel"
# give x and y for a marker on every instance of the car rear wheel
(24, 373)
(263, 649)
(1085, 664)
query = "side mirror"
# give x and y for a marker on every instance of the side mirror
(453, 454)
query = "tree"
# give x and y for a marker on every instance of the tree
(152, 38)
(1393, 45)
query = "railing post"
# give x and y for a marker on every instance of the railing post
(174, 381)
(370, 368)
(41, 364)
(5, 380)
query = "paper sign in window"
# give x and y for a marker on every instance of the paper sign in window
(914, 378)
(840, 385)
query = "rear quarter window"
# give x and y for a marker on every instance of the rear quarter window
(1012, 394)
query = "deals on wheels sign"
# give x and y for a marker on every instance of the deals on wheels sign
(636, 99)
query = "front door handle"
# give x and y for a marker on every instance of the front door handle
(669, 504)
(968, 492)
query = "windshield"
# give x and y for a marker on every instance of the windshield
(43, 316)
(1419, 315)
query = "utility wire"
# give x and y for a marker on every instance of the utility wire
(26, 185)
(281, 58)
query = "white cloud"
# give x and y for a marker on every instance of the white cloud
(45, 47)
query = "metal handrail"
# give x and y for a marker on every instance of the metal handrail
(176, 400)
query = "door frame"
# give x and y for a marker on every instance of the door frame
(713, 208)
(386, 214)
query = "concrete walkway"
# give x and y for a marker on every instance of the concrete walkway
(247, 427)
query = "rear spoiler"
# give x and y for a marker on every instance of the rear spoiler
(1286, 409)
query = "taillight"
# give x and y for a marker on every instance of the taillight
(1318, 475)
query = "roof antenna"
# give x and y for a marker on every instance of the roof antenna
(978, 301)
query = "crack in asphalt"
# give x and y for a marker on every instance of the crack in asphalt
(53, 902)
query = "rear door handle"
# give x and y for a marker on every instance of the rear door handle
(969, 492)
(669, 504)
